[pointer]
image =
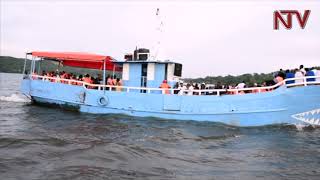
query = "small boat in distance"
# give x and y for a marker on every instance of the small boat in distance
(140, 95)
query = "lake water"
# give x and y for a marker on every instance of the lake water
(50, 143)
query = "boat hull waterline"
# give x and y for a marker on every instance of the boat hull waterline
(296, 105)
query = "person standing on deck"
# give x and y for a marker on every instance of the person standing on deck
(182, 89)
(241, 85)
(165, 86)
(190, 89)
(302, 69)
(298, 74)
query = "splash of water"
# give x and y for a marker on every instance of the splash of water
(14, 98)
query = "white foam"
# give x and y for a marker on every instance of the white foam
(14, 98)
(300, 127)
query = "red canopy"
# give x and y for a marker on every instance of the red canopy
(76, 59)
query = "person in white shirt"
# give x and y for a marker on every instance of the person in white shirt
(241, 85)
(298, 74)
(182, 89)
(317, 73)
(190, 90)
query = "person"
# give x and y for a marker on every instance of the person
(73, 78)
(196, 87)
(87, 79)
(310, 73)
(281, 74)
(289, 75)
(58, 77)
(118, 84)
(92, 81)
(218, 85)
(255, 85)
(298, 74)
(109, 80)
(302, 69)
(80, 78)
(51, 76)
(114, 80)
(264, 84)
(165, 86)
(317, 73)
(230, 90)
(176, 87)
(62, 76)
(45, 76)
(203, 87)
(241, 85)
(34, 76)
(99, 79)
(279, 79)
(241, 92)
(182, 89)
(190, 89)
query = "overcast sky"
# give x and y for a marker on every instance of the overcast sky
(207, 37)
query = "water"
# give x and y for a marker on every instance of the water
(47, 143)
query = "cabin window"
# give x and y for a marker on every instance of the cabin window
(177, 69)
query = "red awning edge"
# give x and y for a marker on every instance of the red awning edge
(77, 59)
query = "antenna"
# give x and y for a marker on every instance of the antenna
(159, 30)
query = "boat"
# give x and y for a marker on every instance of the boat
(140, 95)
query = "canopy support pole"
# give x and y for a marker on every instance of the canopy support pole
(113, 71)
(25, 64)
(104, 76)
(58, 67)
(32, 66)
(39, 67)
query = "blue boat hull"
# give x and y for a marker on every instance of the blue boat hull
(297, 105)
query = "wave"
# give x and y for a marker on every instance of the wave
(14, 98)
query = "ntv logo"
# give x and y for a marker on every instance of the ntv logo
(281, 14)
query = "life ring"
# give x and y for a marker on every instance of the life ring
(103, 101)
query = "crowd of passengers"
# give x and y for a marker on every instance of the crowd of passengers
(280, 76)
(187, 88)
(78, 80)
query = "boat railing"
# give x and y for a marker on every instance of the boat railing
(218, 92)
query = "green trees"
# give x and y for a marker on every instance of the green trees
(250, 79)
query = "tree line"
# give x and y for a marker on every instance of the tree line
(249, 79)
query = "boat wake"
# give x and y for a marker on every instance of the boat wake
(14, 98)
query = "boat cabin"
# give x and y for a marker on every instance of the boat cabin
(150, 74)
(139, 71)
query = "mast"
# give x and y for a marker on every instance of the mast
(159, 32)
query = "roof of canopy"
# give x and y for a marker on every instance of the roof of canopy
(77, 59)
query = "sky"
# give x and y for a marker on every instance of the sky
(210, 38)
